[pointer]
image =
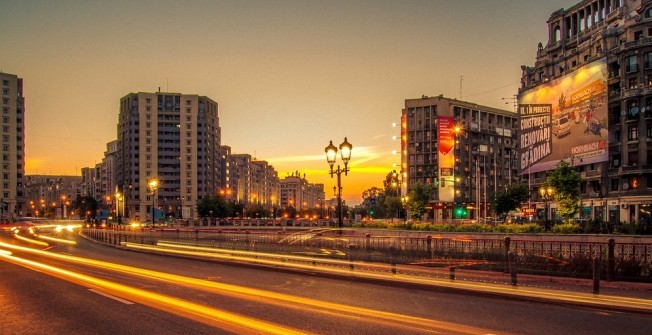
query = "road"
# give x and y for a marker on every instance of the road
(181, 296)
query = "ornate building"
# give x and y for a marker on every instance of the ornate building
(614, 108)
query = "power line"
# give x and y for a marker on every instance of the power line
(492, 90)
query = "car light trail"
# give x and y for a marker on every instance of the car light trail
(211, 316)
(54, 239)
(29, 240)
(280, 299)
(605, 301)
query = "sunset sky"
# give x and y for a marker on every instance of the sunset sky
(288, 75)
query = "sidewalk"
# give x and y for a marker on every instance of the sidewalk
(614, 288)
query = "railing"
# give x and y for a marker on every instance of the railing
(619, 261)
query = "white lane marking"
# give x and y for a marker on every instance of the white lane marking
(126, 302)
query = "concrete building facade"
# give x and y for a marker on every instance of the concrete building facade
(465, 167)
(174, 138)
(12, 199)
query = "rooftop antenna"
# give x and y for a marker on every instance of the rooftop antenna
(461, 78)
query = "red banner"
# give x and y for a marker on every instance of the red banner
(446, 134)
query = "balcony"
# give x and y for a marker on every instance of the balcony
(631, 92)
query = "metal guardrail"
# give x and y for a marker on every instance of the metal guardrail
(618, 261)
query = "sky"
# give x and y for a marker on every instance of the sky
(289, 76)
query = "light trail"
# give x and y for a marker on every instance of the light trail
(605, 301)
(54, 239)
(29, 240)
(280, 299)
(211, 316)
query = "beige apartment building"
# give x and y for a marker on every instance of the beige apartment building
(171, 137)
(464, 150)
(12, 199)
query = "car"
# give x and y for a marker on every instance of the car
(560, 127)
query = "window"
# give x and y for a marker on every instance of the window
(632, 133)
(632, 158)
(632, 83)
(632, 66)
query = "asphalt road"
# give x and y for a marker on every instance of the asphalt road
(211, 298)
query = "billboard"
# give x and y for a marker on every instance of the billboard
(565, 118)
(446, 157)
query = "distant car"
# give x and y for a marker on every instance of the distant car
(560, 126)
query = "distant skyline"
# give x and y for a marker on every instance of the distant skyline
(288, 75)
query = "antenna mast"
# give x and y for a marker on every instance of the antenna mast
(461, 78)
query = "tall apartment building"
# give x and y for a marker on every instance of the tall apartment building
(265, 185)
(174, 138)
(464, 150)
(51, 195)
(298, 193)
(248, 181)
(596, 70)
(12, 200)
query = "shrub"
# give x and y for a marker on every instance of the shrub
(567, 228)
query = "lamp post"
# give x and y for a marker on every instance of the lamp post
(457, 129)
(331, 156)
(153, 186)
(118, 199)
(546, 193)
(404, 201)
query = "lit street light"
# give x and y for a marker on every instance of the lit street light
(331, 156)
(546, 193)
(153, 186)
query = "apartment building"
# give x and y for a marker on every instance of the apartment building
(464, 150)
(298, 193)
(171, 137)
(12, 200)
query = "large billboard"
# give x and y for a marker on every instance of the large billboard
(446, 157)
(565, 118)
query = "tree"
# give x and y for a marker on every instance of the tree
(510, 199)
(374, 203)
(566, 183)
(418, 199)
(258, 211)
(86, 206)
(213, 206)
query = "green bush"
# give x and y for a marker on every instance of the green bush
(567, 228)
(529, 228)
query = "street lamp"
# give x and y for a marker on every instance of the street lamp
(546, 193)
(118, 199)
(153, 186)
(404, 201)
(331, 156)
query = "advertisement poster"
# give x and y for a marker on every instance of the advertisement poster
(565, 118)
(446, 142)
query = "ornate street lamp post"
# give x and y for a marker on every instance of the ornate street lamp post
(405, 200)
(153, 186)
(547, 193)
(331, 156)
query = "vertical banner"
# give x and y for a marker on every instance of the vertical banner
(446, 157)
(535, 140)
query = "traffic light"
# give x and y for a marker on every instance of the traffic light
(460, 212)
(436, 182)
